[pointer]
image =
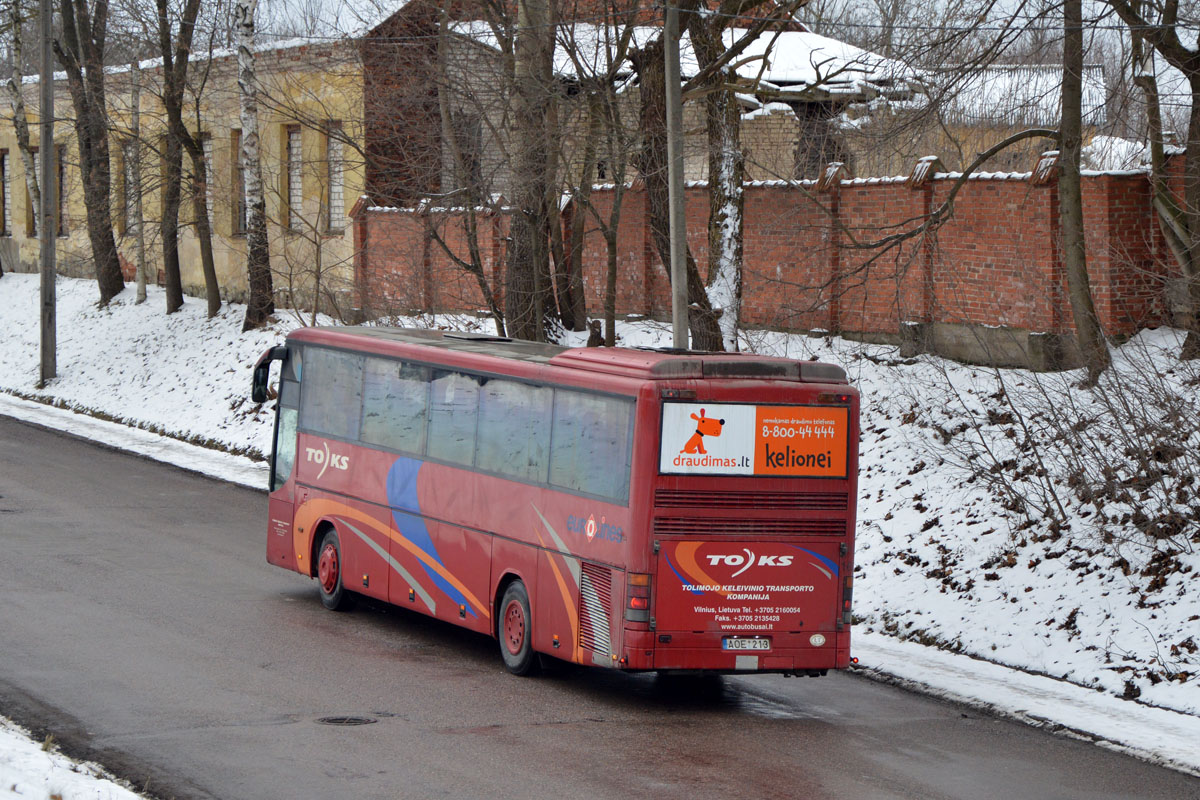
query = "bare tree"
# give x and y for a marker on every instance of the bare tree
(607, 139)
(528, 301)
(1092, 344)
(134, 170)
(1158, 23)
(175, 51)
(80, 49)
(465, 179)
(15, 20)
(260, 303)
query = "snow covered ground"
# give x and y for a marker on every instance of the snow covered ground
(29, 770)
(963, 588)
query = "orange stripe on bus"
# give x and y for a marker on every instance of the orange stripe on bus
(686, 553)
(576, 650)
(316, 509)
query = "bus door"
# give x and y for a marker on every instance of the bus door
(281, 504)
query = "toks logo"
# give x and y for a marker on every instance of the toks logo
(327, 459)
(747, 561)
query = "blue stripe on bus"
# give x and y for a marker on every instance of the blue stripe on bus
(682, 580)
(833, 567)
(402, 496)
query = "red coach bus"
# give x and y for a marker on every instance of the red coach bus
(631, 509)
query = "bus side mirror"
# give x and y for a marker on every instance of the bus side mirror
(262, 372)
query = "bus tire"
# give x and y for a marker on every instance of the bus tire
(334, 595)
(514, 629)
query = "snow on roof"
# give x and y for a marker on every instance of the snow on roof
(789, 61)
(1015, 94)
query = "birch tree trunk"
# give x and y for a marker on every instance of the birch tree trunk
(139, 232)
(1092, 343)
(726, 171)
(20, 120)
(259, 303)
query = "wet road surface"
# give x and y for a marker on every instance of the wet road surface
(141, 624)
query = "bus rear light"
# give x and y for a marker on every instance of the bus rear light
(847, 597)
(834, 398)
(637, 597)
(679, 394)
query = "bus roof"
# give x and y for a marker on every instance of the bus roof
(645, 363)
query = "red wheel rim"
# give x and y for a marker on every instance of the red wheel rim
(327, 568)
(514, 627)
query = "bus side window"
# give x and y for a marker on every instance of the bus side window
(513, 438)
(453, 405)
(285, 447)
(591, 450)
(394, 405)
(332, 401)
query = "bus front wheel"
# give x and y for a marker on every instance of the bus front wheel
(329, 573)
(515, 630)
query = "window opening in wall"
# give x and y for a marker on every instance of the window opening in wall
(130, 182)
(294, 175)
(206, 149)
(31, 213)
(335, 179)
(238, 183)
(60, 176)
(6, 196)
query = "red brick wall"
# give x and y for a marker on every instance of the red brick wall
(810, 263)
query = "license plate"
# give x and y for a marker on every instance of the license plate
(745, 644)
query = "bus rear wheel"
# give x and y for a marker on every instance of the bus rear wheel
(329, 573)
(514, 629)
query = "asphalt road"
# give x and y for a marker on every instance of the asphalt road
(142, 626)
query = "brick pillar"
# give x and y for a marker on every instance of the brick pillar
(358, 213)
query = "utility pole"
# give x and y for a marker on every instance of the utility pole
(678, 232)
(46, 228)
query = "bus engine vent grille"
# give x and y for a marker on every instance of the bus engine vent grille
(697, 498)
(688, 526)
(595, 608)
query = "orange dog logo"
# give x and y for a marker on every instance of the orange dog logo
(705, 426)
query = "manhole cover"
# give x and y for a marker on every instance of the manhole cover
(345, 721)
